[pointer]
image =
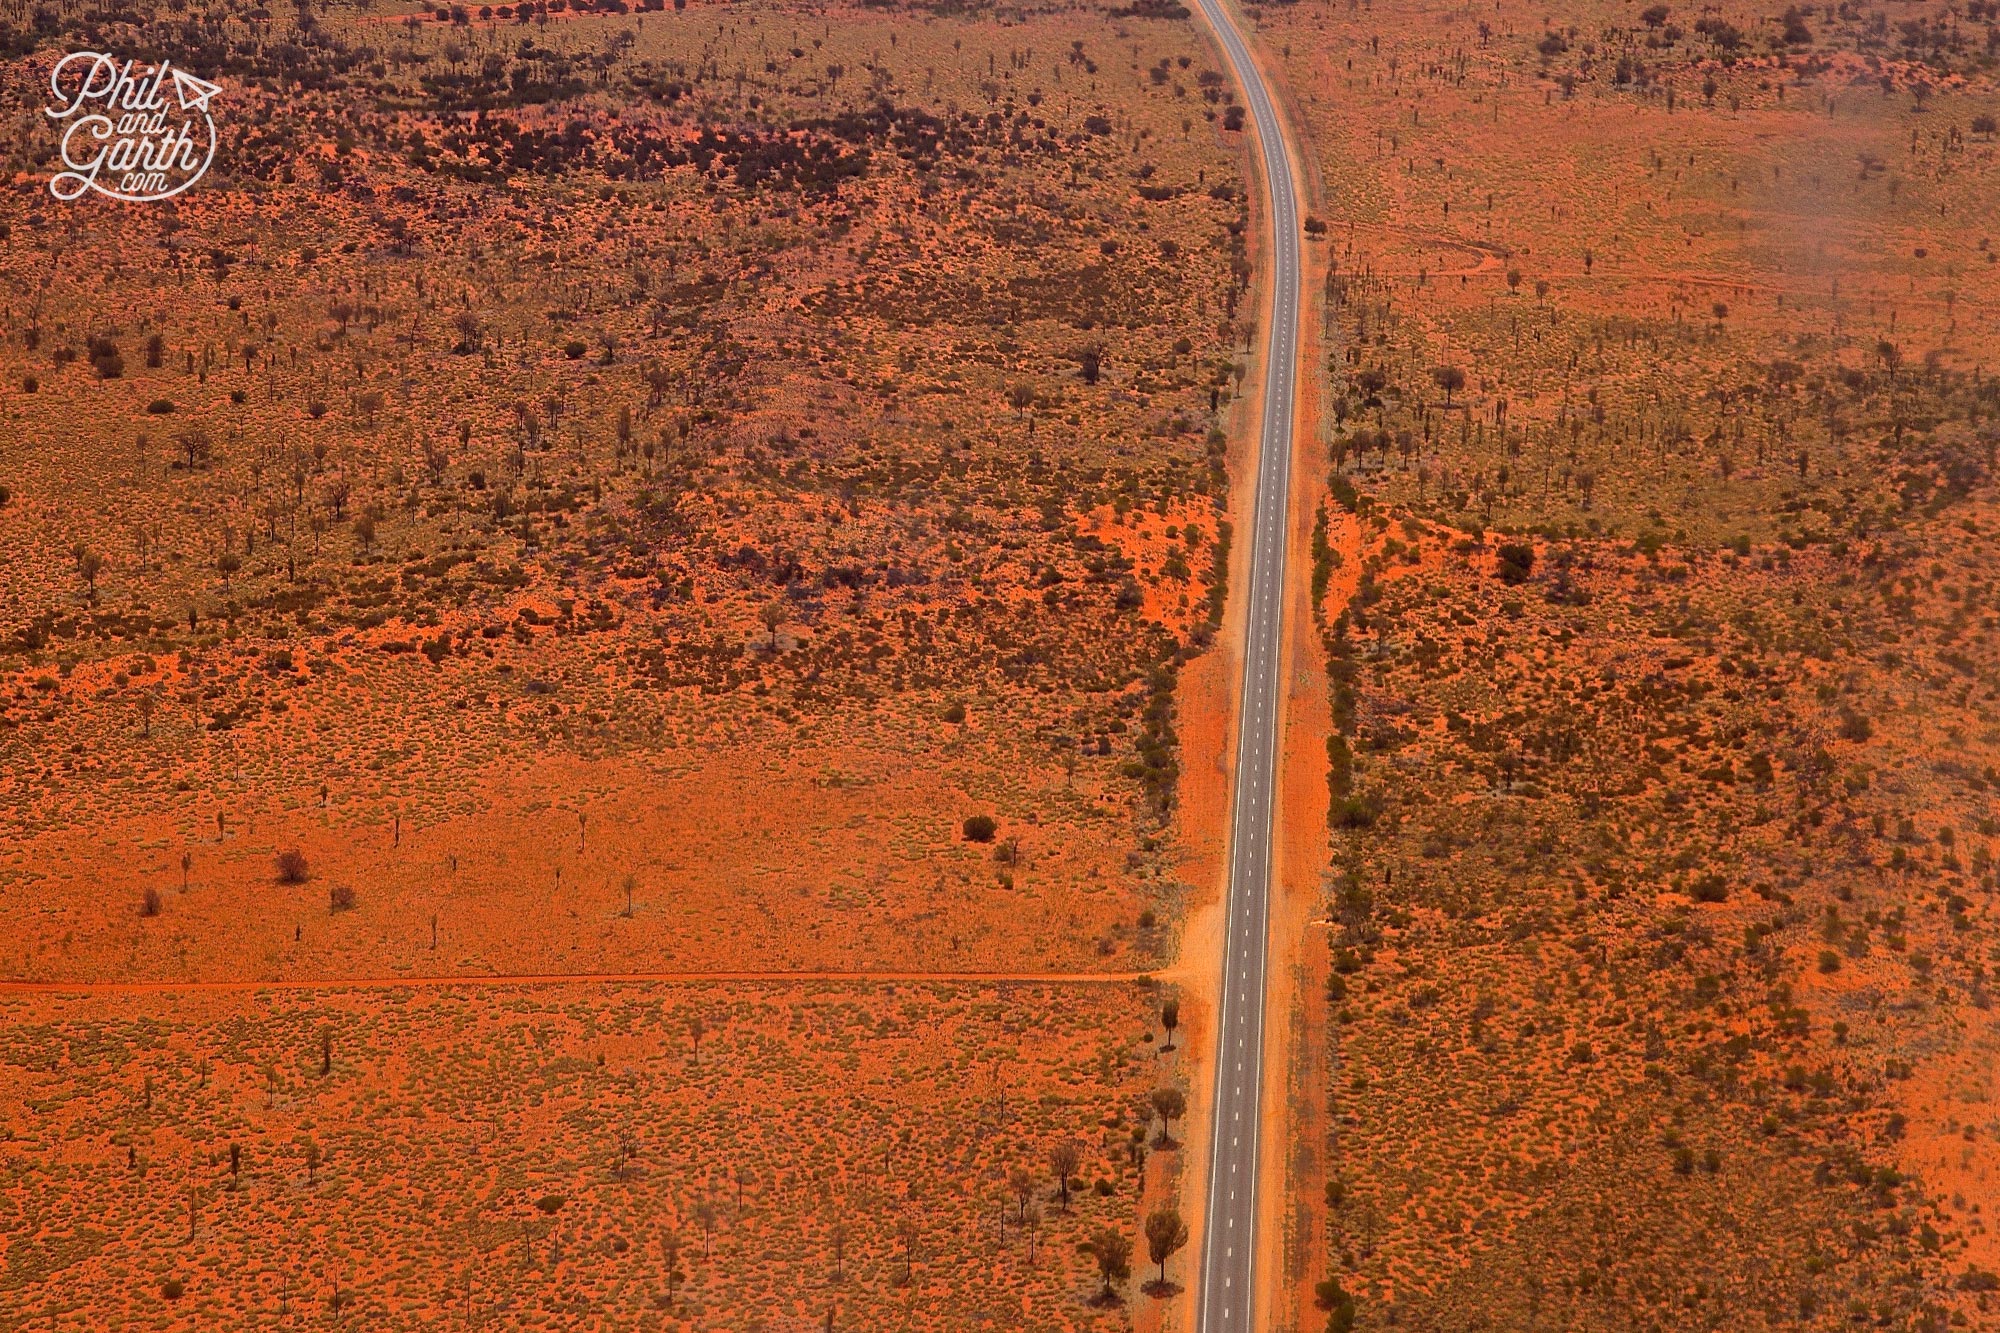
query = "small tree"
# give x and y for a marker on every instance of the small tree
(149, 903)
(1449, 378)
(980, 828)
(1112, 1250)
(670, 1249)
(292, 867)
(1166, 1233)
(1064, 1159)
(906, 1232)
(705, 1217)
(1022, 1182)
(1170, 1018)
(1338, 1303)
(1169, 1104)
(773, 614)
(89, 564)
(1090, 361)
(196, 445)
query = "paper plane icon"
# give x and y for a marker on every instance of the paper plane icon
(194, 93)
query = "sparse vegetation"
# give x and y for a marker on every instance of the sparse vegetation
(1645, 718)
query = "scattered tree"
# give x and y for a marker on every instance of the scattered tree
(1338, 1303)
(89, 564)
(1170, 1104)
(1166, 1233)
(1112, 1250)
(773, 614)
(1064, 1159)
(1022, 1182)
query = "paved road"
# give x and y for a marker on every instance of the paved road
(1229, 1237)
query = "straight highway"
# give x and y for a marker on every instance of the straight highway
(1229, 1235)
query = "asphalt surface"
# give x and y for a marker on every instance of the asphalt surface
(1229, 1236)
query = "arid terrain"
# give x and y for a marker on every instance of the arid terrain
(714, 498)
(1656, 570)
(614, 669)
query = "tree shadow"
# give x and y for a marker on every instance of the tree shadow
(1160, 1291)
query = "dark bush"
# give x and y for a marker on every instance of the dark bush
(292, 867)
(980, 828)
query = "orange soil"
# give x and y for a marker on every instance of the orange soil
(847, 857)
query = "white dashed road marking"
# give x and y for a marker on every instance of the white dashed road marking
(1237, 1092)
